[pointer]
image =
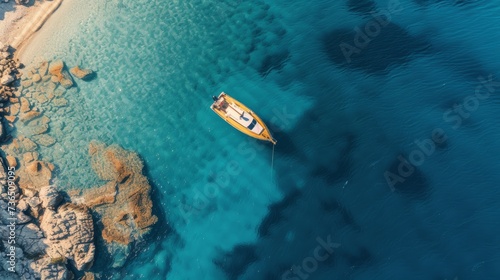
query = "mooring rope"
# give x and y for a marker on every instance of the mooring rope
(272, 159)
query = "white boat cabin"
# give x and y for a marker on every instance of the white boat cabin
(239, 115)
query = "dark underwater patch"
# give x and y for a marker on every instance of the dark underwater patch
(362, 7)
(375, 54)
(449, 2)
(343, 166)
(459, 59)
(334, 206)
(360, 258)
(412, 184)
(274, 61)
(235, 262)
(275, 214)
(286, 145)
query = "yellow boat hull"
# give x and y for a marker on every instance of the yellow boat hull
(264, 135)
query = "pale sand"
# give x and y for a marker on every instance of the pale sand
(19, 22)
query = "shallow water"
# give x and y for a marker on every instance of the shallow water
(341, 126)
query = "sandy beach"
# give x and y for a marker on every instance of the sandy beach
(20, 22)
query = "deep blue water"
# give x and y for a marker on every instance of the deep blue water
(387, 140)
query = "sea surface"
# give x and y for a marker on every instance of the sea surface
(386, 115)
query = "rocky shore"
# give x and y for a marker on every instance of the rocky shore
(48, 233)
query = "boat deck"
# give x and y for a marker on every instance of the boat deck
(240, 116)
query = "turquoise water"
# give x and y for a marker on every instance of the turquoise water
(341, 128)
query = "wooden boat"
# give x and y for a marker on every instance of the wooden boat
(241, 117)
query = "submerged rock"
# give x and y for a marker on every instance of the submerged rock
(44, 140)
(60, 102)
(11, 119)
(59, 74)
(30, 156)
(25, 105)
(84, 74)
(88, 276)
(35, 175)
(99, 196)
(40, 97)
(26, 83)
(12, 162)
(14, 109)
(27, 117)
(123, 203)
(22, 144)
(38, 126)
(36, 78)
(119, 253)
(43, 68)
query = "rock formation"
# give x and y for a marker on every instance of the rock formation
(88, 276)
(133, 205)
(29, 239)
(35, 174)
(56, 233)
(8, 67)
(9, 75)
(50, 197)
(6, 80)
(66, 233)
(70, 234)
(123, 203)
(52, 269)
(83, 74)
(12, 162)
(59, 74)
(23, 2)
